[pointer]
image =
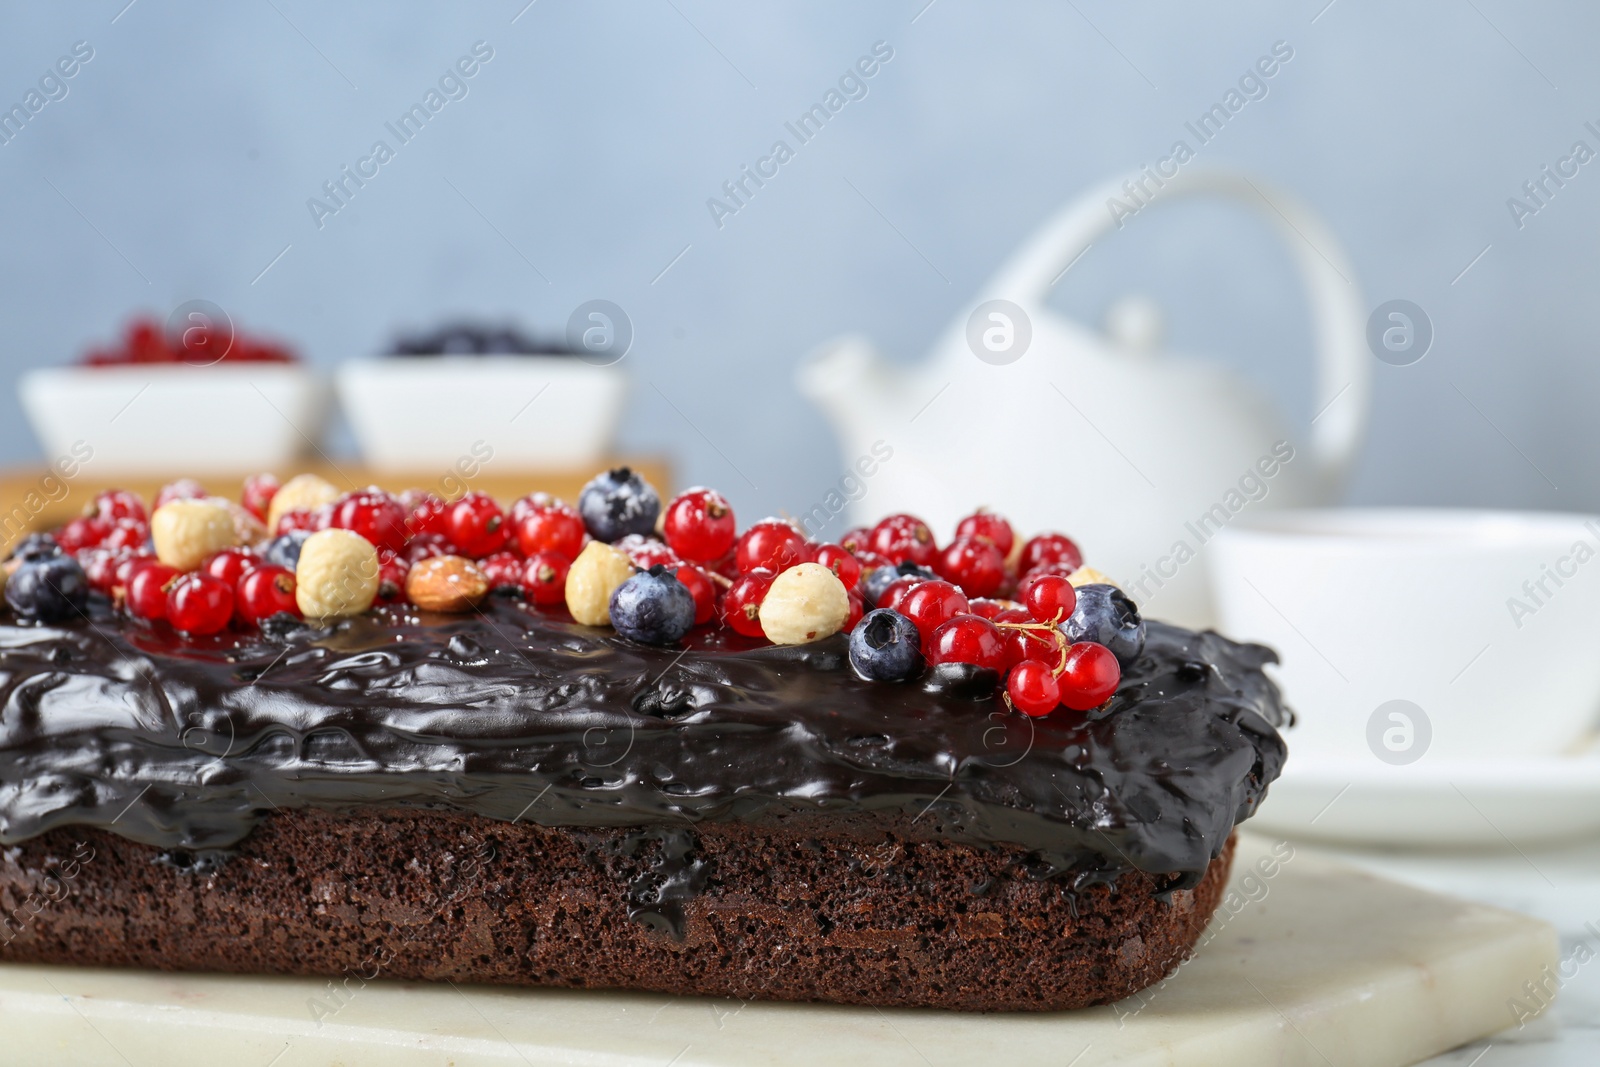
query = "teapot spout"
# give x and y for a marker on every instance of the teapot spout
(847, 378)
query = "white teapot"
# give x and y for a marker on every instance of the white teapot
(1138, 455)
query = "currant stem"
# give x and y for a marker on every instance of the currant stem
(1059, 638)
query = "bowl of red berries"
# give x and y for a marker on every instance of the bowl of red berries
(194, 395)
(437, 394)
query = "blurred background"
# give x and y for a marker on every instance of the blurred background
(578, 165)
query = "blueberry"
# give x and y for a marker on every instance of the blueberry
(880, 578)
(653, 607)
(36, 546)
(284, 550)
(618, 503)
(885, 647)
(460, 341)
(1105, 615)
(51, 589)
(877, 582)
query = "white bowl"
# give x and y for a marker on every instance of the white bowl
(1405, 632)
(166, 419)
(414, 413)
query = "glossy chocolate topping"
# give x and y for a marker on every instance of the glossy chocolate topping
(514, 714)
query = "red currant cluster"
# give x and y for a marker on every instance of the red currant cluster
(112, 544)
(144, 341)
(530, 552)
(985, 601)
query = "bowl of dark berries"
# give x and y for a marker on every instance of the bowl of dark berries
(194, 393)
(439, 394)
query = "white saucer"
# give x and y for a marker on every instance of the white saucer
(1437, 802)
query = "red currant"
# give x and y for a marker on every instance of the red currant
(1024, 644)
(523, 505)
(392, 571)
(974, 564)
(931, 602)
(855, 541)
(544, 578)
(741, 604)
(182, 489)
(477, 525)
(991, 527)
(373, 514)
(727, 566)
(647, 552)
(966, 639)
(897, 590)
(100, 567)
(985, 608)
(857, 609)
(146, 342)
(127, 563)
(1025, 583)
(545, 524)
(295, 519)
(264, 592)
(705, 594)
(231, 564)
(257, 494)
(1090, 676)
(838, 559)
(871, 561)
(1050, 598)
(198, 603)
(114, 504)
(1057, 550)
(1033, 688)
(82, 533)
(770, 544)
(427, 545)
(904, 537)
(126, 535)
(147, 589)
(425, 512)
(699, 525)
(502, 569)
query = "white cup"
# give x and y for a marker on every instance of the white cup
(1409, 631)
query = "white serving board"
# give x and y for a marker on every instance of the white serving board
(1314, 963)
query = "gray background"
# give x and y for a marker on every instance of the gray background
(185, 152)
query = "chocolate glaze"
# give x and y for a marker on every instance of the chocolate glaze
(514, 714)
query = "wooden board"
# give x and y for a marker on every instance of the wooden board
(1307, 962)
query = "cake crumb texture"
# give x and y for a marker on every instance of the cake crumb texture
(809, 910)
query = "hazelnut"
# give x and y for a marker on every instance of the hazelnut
(337, 574)
(806, 603)
(187, 531)
(593, 577)
(302, 491)
(446, 583)
(1089, 576)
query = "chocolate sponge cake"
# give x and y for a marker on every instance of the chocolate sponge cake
(504, 794)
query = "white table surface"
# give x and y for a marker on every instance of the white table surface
(1560, 884)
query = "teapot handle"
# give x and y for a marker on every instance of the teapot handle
(1344, 365)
